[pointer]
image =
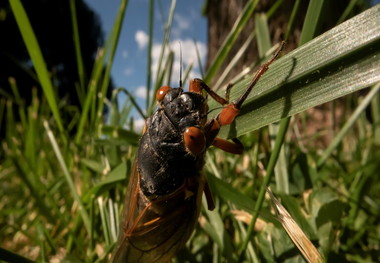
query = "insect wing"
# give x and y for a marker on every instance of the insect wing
(154, 230)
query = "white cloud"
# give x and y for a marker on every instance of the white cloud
(181, 22)
(140, 92)
(128, 71)
(138, 124)
(141, 38)
(124, 54)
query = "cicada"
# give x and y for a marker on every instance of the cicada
(166, 185)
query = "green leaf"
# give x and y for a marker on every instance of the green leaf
(339, 62)
(35, 54)
(312, 20)
(228, 193)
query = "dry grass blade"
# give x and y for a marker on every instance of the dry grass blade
(299, 238)
(246, 217)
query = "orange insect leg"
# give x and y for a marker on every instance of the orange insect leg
(235, 147)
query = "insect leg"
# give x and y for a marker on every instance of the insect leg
(197, 85)
(235, 147)
(229, 113)
(209, 198)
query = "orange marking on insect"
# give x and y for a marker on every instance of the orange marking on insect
(194, 140)
(161, 92)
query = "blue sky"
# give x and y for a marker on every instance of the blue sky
(130, 66)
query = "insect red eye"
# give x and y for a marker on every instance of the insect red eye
(161, 92)
(195, 140)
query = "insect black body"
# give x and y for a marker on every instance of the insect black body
(165, 188)
(163, 160)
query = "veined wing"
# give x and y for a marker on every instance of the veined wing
(153, 230)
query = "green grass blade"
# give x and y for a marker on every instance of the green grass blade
(78, 53)
(35, 53)
(262, 33)
(347, 11)
(69, 180)
(348, 125)
(161, 72)
(90, 98)
(339, 62)
(269, 173)
(293, 15)
(281, 169)
(149, 63)
(230, 39)
(222, 78)
(375, 110)
(114, 38)
(312, 20)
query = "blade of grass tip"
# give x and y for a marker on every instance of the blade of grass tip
(187, 72)
(164, 44)
(230, 40)
(57, 151)
(149, 64)
(114, 114)
(35, 54)
(276, 5)
(347, 11)
(375, 110)
(199, 59)
(133, 100)
(103, 216)
(90, 98)
(114, 37)
(169, 67)
(262, 34)
(312, 21)
(264, 44)
(296, 234)
(292, 17)
(18, 100)
(125, 112)
(348, 125)
(78, 53)
(269, 173)
(233, 62)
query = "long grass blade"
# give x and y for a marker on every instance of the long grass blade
(149, 62)
(348, 125)
(230, 39)
(114, 38)
(35, 53)
(78, 53)
(69, 180)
